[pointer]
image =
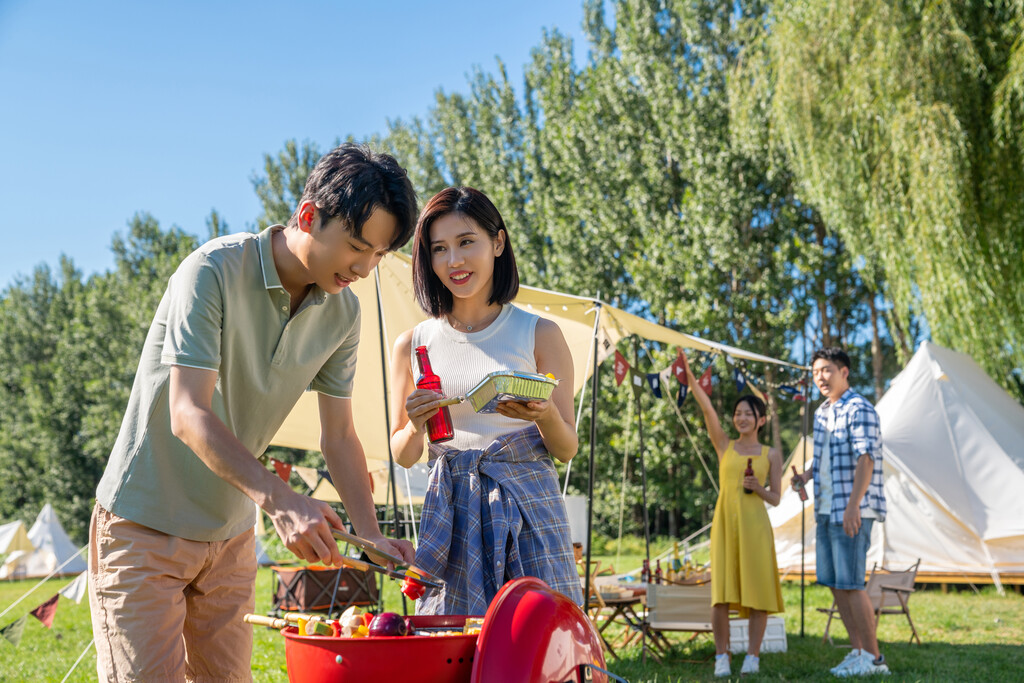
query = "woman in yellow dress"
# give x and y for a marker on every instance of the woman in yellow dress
(744, 572)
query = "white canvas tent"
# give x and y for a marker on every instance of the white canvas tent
(14, 538)
(53, 550)
(954, 473)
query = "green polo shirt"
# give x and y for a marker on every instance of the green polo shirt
(224, 310)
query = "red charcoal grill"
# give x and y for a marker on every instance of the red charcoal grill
(530, 634)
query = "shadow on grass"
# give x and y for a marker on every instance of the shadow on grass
(808, 659)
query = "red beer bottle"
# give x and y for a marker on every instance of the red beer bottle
(801, 487)
(645, 572)
(749, 472)
(657, 573)
(439, 427)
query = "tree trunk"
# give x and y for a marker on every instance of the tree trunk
(876, 348)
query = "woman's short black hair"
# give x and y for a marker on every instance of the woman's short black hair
(756, 406)
(433, 297)
(351, 181)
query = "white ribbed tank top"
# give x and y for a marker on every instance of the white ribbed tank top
(462, 359)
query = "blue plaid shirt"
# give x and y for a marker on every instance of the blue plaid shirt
(490, 516)
(856, 432)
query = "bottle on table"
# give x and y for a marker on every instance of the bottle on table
(658, 577)
(439, 427)
(749, 472)
(645, 572)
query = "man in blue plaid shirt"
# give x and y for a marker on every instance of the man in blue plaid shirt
(848, 499)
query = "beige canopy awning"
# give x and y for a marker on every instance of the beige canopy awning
(394, 298)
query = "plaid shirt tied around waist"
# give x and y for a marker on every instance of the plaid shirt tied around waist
(857, 431)
(490, 516)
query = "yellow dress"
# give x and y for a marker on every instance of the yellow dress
(744, 572)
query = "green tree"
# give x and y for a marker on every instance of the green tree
(904, 122)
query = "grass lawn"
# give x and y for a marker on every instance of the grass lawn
(968, 636)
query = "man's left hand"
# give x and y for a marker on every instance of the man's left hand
(851, 520)
(401, 548)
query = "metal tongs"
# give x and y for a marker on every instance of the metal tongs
(424, 577)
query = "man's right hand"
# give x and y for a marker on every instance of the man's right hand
(800, 480)
(304, 526)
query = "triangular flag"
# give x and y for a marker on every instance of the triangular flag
(757, 392)
(788, 389)
(681, 396)
(654, 379)
(14, 630)
(46, 611)
(621, 368)
(284, 469)
(705, 381)
(308, 476)
(637, 381)
(76, 589)
(678, 367)
(740, 380)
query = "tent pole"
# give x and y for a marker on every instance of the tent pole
(643, 490)
(805, 415)
(590, 465)
(399, 531)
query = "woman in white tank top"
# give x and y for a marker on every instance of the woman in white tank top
(493, 510)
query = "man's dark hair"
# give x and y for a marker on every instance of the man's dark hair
(433, 297)
(351, 181)
(833, 354)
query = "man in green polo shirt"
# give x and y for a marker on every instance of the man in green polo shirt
(247, 323)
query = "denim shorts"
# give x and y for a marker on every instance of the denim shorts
(840, 559)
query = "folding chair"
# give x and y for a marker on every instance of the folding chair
(889, 592)
(677, 607)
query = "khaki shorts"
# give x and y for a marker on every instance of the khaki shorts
(166, 608)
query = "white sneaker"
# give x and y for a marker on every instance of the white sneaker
(751, 665)
(722, 669)
(864, 666)
(851, 656)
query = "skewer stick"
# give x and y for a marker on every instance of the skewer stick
(359, 565)
(269, 622)
(454, 400)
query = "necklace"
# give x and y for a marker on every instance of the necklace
(469, 328)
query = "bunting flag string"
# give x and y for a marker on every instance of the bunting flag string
(681, 396)
(47, 611)
(14, 630)
(308, 475)
(76, 589)
(654, 380)
(622, 367)
(284, 469)
(705, 381)
(739, 379)
(793, 389)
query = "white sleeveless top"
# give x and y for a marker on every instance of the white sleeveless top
(462, 359)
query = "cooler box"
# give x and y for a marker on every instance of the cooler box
(774, 635)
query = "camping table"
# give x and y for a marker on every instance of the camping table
(624, 613)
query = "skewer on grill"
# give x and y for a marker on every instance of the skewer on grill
(373, 547)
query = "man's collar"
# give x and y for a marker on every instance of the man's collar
(271, 280)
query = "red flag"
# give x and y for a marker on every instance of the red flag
(705, 381)
(46, 611)
(284, 469)
(679, 367)
(621, 368)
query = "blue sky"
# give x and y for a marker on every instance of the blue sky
(112, 108)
